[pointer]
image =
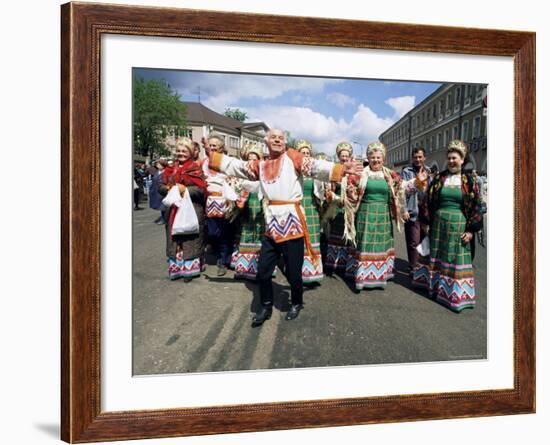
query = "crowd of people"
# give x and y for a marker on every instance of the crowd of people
(318, 217)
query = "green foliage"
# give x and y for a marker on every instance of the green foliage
(290, 140)
(236, 113)
(158, 112)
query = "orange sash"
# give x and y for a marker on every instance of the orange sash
(303, 221)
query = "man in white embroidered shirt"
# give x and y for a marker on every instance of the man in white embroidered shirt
(285, 224)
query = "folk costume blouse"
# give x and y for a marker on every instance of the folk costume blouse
(282, 187)
(216, 205)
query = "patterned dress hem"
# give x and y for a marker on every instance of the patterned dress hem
(454, 293)
(179, 268)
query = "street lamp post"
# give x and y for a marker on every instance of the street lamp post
(360, 147)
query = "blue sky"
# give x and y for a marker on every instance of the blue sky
(322, 110)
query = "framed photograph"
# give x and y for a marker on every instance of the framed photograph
(159, 344)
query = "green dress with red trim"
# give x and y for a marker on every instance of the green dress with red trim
(312, 269)
(372, 261)
(454, 204)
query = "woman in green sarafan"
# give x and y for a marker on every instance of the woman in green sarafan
(372, 201)
(313, 194)
(252, 225)
(453, 211)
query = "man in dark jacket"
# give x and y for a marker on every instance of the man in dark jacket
(155, 198)
(413, 231)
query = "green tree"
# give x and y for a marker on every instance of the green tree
(158, 112)
(236, 113)
(290, 140)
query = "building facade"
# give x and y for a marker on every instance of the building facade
(202, 121)
(453, 111)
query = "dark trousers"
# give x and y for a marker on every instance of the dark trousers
(293, 256)
(221, 236)
(413, 235)
(136, 198)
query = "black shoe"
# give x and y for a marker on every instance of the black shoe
(262, 315)
(138, 208)
(187, 279)
(222, 270)
(294, 312)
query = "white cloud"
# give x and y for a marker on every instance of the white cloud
(340, 100)
(324, 132)
(366, 125)
(304, 101)
(401, 104)
(219, 90)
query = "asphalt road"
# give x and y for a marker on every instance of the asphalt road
(205, 325)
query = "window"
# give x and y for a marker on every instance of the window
(433, 144)
(477, 127)
(449, 99)
(478, 93)
(465, 129)
(446, 139)
(455, 132)
(438, 141)
(233, 142)
(457, 95)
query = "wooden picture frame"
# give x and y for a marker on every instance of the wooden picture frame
(82, 26)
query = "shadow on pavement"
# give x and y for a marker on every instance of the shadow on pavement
(402, 278)
(281, 296)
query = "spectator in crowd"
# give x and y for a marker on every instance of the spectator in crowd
(412, 176)
(155, 198)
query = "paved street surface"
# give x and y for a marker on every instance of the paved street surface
(205, 325)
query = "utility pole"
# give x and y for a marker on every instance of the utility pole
(360, 147)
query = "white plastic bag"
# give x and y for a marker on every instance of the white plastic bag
(424, 247)
(185, 221)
